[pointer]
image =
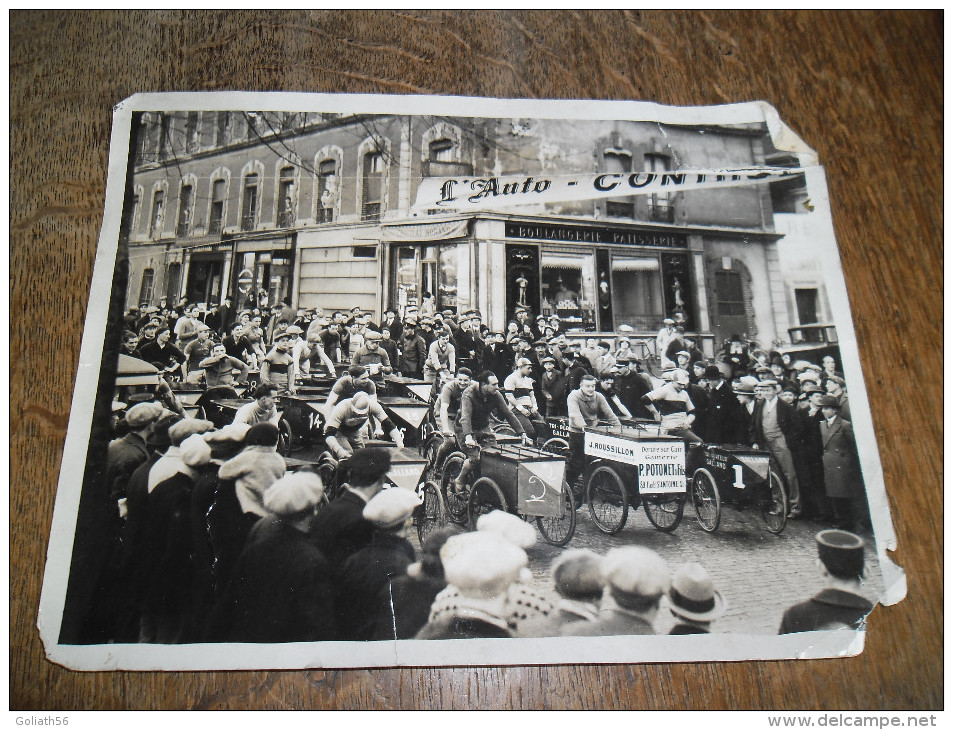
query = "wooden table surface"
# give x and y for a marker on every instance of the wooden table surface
(864, 89)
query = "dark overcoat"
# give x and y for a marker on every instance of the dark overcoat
(842, 477)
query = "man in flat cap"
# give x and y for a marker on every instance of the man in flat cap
(372, 356)
(371, 568)
(341, 529)
(636, 579)
(578, 580)
(842, 603)
(124, 455)
(480, 568)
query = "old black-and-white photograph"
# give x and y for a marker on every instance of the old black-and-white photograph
(395, 372)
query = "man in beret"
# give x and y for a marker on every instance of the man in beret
(283, 588)
(842, 603)
(775, 427)
(636, 579)
(341, 529)
(356, 380)
(370, 569)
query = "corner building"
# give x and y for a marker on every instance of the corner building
(316, 208)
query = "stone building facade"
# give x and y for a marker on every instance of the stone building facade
(317, 209)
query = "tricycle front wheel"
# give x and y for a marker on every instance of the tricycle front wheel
(558, 531)
(664, 511)
(706, 500)
(774, 509)
(607, 498)
(485, 496)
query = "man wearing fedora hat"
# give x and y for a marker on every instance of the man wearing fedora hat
(841, 604)
(693, 600)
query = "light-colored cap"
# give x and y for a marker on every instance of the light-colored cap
(293, 493)
(636, 571)
(509, 527)
(481, 564)
(391, 507)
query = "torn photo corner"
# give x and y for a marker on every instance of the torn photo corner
(375, 381)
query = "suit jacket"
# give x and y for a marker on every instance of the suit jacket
(726, 419)
(787, 421)
(842, 477)
(340, 530)
(282, 590)
(832, 608)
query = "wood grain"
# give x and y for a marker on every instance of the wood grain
(863, 88)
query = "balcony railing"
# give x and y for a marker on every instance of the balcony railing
(371, 212)
(248, 222)
(286, 219)
(662, 211)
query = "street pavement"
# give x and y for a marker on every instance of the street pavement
(758, 573)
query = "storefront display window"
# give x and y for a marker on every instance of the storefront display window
(568, 289)
(637, 293)
(263, 278)
(418, 270)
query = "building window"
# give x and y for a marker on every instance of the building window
(636, 292)
(568, 289)
(155, 223)
(286, 181)
(443, 160)
(729, 289)
(806, 300)
(134, 221)
(250, 202)
(373, 186)
(165, 141)
(192, 131)
(327, 191)
(186, 200)
(222, 123)
(145, 289)
(418, 270)
(619, 161)
(173, 282)
(217, 211)
(660, 204)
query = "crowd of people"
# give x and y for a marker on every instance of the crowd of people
(210, 537)
(217, 541)
(796, 409)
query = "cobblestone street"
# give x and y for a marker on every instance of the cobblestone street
(758, 573)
